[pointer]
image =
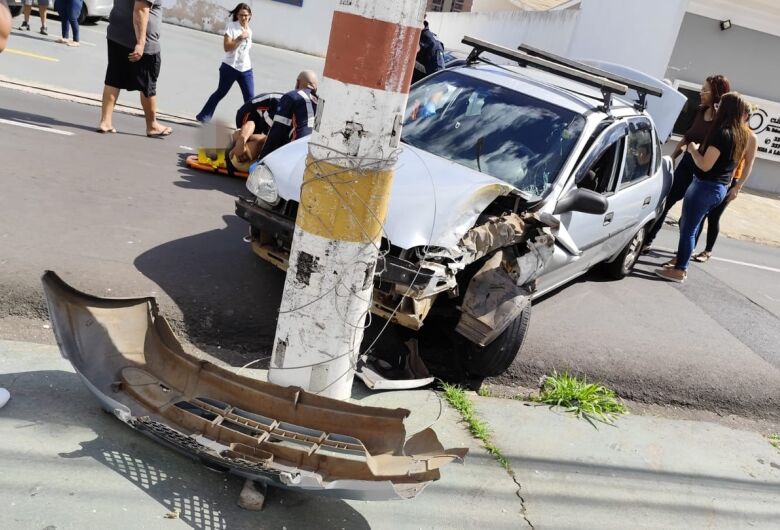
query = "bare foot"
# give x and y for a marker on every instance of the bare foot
(73, 44)
(63, 40)
(159, 132)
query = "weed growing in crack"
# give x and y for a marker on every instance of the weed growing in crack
(458, 399)
(774, 439)
(586, 400)
(484, 391)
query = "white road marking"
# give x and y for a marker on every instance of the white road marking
(36, 127)
(744, 264)
(735, 262)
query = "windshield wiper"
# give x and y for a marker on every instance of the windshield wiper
(478, 149)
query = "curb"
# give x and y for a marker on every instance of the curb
(86, 98)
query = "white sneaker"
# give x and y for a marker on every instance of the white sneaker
(4, 397)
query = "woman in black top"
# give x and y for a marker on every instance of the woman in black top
(714, 163)
(711, 91)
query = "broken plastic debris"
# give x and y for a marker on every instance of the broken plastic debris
(129, 358)
(378, 375)
(173, 515)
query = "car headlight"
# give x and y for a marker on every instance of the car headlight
(262, 184)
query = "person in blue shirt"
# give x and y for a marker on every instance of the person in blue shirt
(430, 56)
(295, 113)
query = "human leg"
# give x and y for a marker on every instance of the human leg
(246, 82)
(702, 197)
(42, 8)
(26, 11)
(75, 12)
(227, 76)
(683, 176)
(110, 95)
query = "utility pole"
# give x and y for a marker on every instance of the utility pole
(345, 194)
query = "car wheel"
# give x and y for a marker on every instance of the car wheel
(83, 14)
(624, 263)
(15, 10)
(496, 357)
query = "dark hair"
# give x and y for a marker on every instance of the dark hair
(720, 85)
(239, 7)
(731, 112)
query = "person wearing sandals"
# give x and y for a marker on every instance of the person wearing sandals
(236, 66)
(740, 177)
(69, 11)
(711, 91)
(714, 163)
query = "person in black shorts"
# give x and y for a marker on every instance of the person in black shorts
(133, 61)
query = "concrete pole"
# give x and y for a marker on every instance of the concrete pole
(345, 193)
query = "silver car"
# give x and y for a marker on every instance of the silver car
(511, 181)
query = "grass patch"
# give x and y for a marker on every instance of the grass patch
(591, 401)
(774, 439)
(484, 391)
(458, 399)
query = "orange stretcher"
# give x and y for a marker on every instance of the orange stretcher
(213, 161)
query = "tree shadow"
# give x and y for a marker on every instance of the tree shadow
(204, 499)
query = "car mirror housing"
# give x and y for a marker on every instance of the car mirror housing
(582, 200)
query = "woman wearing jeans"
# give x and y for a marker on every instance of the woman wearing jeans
(237, 65)
(69, 11)
(714, 164)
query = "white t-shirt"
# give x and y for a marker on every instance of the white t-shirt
(239, 57)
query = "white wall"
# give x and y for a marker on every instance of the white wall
(635, 33)
(305, 29)
(550, 30)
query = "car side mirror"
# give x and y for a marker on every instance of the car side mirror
(582, 200)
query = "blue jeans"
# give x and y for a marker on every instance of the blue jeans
(227, 76)
(701, 197)
(69, 11)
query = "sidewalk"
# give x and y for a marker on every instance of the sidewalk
(65, 464)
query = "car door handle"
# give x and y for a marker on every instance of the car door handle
(608, 218)
(647, 201)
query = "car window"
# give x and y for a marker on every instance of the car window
(506, 134)
(602, 175)
(640, 152)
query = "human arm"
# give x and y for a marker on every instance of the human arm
(140, 22)
(242, 137)
(5, 24)
(234, 37)
(679, 148)
(281, 128)
(705, 161)
(750, 156)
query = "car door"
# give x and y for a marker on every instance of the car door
(581, 236)
(636, 192)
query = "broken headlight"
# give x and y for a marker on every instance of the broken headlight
(262, 184)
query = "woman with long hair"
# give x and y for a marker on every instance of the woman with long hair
(741, 175)
(711, 91)
(714, 163)
(236, 67)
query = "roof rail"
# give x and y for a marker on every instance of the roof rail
(642, 89)
(607, 86)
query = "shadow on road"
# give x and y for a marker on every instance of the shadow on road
(205, 499)
(227, 296)
(193, 179)
(41, 120)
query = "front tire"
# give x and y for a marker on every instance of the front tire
(624, 263)
(496, 357)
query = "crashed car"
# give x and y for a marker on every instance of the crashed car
(511, 181)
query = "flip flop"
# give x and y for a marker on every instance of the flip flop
(105, 131)
(161, 134)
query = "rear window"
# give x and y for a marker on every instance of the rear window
(506, 134)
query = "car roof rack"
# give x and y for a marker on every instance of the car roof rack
(609, 84)
(642, 89)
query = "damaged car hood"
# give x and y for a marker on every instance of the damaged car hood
(433, 201)
(128, 357)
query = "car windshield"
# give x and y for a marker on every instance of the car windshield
(506, 134)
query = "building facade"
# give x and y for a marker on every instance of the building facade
(458, 6)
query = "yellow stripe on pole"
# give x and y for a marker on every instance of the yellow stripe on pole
(344, 204)
(33, 55)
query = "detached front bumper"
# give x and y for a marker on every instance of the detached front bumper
(403, 293)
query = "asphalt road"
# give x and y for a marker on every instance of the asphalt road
(120, 215)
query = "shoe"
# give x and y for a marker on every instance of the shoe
(646, 249)
(25, 25)
(673, 275)
(702, 257)
(43, 30)
(160, 134)
(672, 263)
(62, 40)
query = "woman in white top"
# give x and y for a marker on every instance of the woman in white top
(236, 66)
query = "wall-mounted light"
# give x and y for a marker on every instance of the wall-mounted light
(725, 24)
